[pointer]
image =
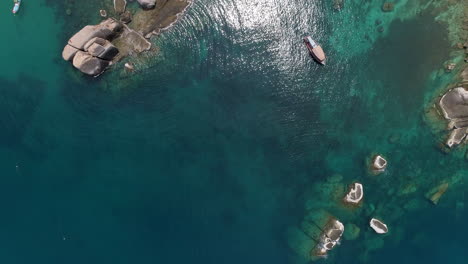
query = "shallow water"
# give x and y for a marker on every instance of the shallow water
(215, 147)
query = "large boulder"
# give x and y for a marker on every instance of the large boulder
(69, 52)
(88, 64)
(119, 6)
(106, 29)
(147, 4)
(454, 103)
(101, 48)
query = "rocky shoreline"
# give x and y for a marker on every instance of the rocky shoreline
(452, 105)
(95, 48)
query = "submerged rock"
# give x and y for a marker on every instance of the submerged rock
(338, 4)
(450, 66)
(378, 226)
(355, 194)
(435, 193)
(351, 232)
(388, 6)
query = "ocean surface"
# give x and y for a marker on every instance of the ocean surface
(214, 147)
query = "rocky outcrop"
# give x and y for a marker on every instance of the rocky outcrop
(111, 40)
(330, 237)
(166, 12)
(379, 164)
(131, 42)
(90, 49)
(106, 30)
(89, 64)
(454, 106)
(69, 52)
(318, 233)
(147, 4)
(355, 194)
(378, 226)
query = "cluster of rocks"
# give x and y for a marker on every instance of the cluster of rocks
(330, 237)
(320, 231)
(90, 50)
(96, 47)
(454, 106)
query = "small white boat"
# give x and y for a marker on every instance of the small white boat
(16, 6)
(315, 50)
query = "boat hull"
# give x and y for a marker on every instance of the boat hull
(16, 7)
(315, 51)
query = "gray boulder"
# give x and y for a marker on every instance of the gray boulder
(88, 64)
(101, 48)
(105, 52)
(106, 29)
(99, 41)
(69, 52)
(147, 4)
(454, 103)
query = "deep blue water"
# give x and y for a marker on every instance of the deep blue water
(214, 147)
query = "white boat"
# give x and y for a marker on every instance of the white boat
(16, 6)
(315, 50)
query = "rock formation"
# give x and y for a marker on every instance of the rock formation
(379, 164)
(106, 43)
(90, 50)
(454, 106)
(318, 233)
(355, 194)
(330, 237)
(378, 226)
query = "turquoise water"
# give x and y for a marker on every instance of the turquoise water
(223, 141)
